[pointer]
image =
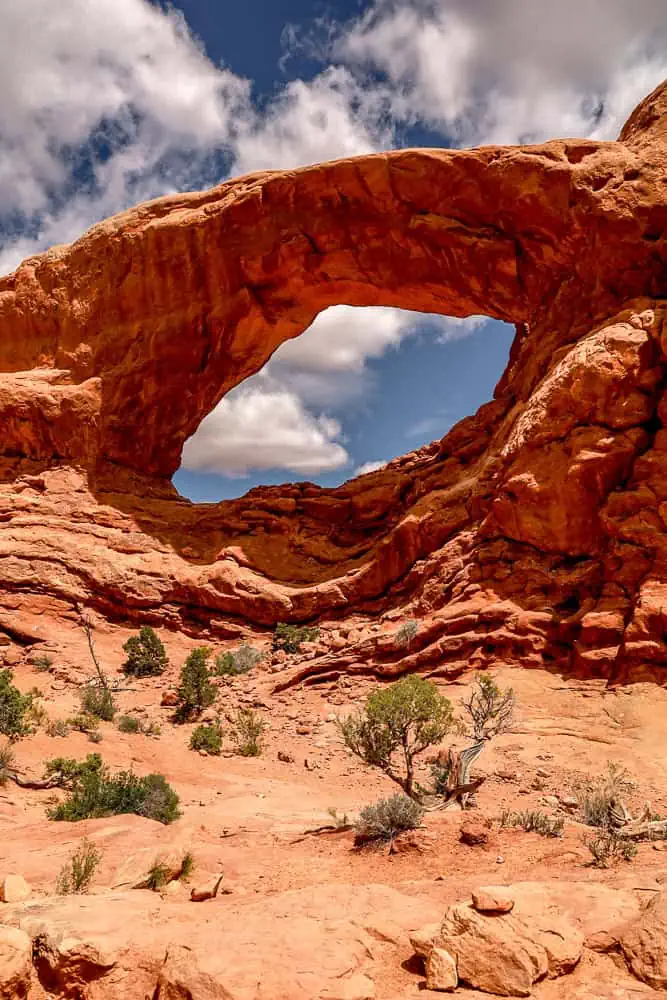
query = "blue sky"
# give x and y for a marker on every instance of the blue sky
(108, 103)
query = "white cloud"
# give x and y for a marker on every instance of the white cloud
(510, 71)
(331, 116)
(262, 426)
(361, 470)
(341, 338)
(108, 99)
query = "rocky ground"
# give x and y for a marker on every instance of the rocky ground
(301, 915)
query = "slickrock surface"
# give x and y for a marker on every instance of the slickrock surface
(532, 532)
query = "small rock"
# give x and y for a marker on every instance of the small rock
(303, 730)
(14, 889)
(500, 860)
(15, 963)
(172, 888)
(169, 699)
(441, 971)
(286, 758)
(568, 801)
(492, 899)
(422, 939)
(413, 842)
(208, 890)
(473, 833)
(541, 773)
(601, 941)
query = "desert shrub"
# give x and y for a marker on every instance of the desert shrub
(57, 727)
(195, 692)
(14, 707)
(83, 722)
(608, 849)
(94, 792)
(341, 822)
(77, 874)
(158, 875)
(247, 729)
(290, 637)
(7, 763)
(407, 632)
(42, 662)
(146, 656)
(208, 738)
(397, 724)
(388, 817)
(440, 777)
(66, 771)
(160, 800)
(239, 662)
(598, 796)
(36, 715)
(98, 701)
(129, 724)
(152, 729)
(534, 821)
(187, 866)
(489, 708)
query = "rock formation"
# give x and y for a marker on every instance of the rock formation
(533, 532)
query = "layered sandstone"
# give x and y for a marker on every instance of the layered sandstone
(533, 532)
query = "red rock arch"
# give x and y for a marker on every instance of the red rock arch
(549, 500)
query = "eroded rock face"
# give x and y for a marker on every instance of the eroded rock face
(533, 532)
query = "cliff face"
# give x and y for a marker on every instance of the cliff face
(534, 531)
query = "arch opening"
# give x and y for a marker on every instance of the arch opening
(357, 389)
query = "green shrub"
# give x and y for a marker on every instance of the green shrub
(57, 727)
(187, 866)
(195, 692)
(247, 729)
(388, 817)
(607, 849)
(67, 772)
(598, 796)
(407, 632)
(36, 715)
(98, 701)
(534, 821)
(239, 662)
(95, 792)
(290, 637)
(42, 662)
(490, 709)
(83, 722)
(146, 656)
(158, 876)
(397, 724)
(77, 874)
(152, 729)
(13, 708)
(7, 763)
(129, 724)
(208, 738)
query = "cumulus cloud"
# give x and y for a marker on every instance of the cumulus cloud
(264, 426)
(484, 71)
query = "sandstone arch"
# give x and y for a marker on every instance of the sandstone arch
(115, 347)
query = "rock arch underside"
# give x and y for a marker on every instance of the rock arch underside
(532, 533)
